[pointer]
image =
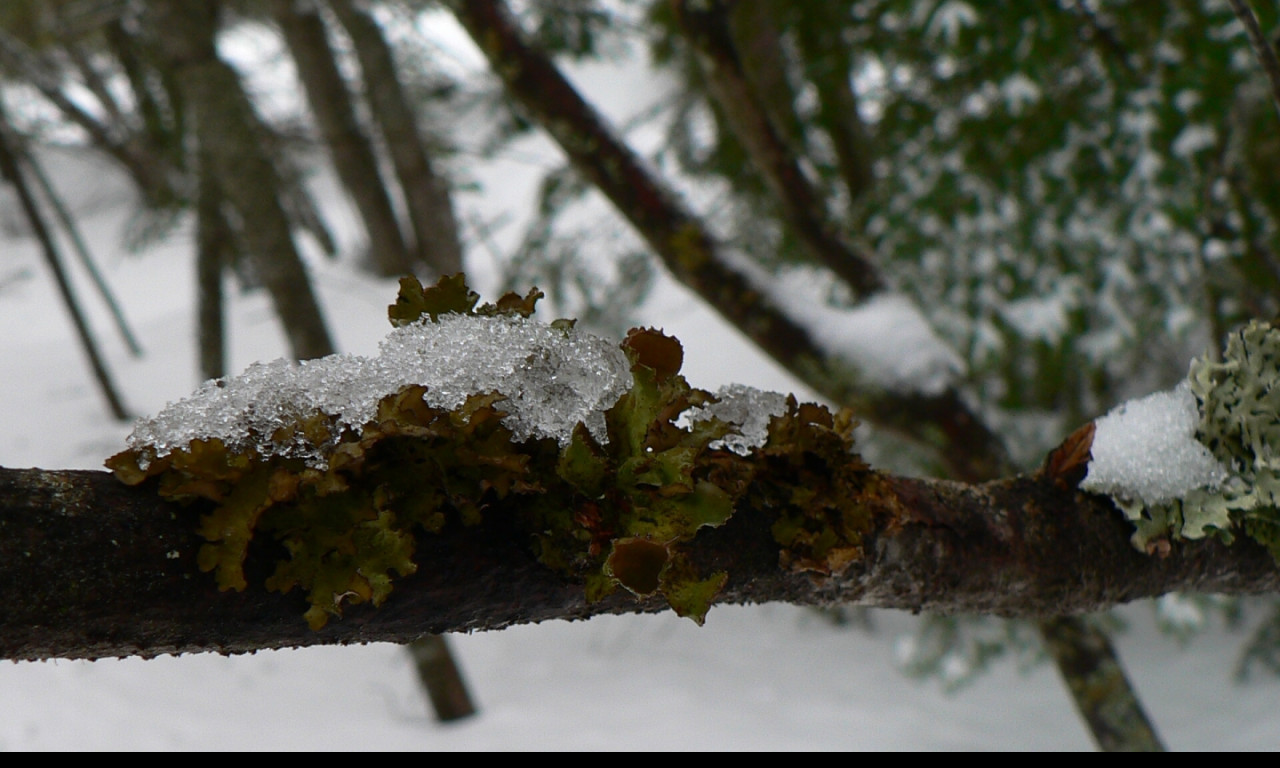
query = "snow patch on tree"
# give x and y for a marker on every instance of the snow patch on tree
(1146, 450)
(884, 337)
(748, 408)
(1203, 458)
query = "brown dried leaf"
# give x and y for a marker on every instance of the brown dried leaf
(1068, 464)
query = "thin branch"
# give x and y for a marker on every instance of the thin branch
(81, 248)
(830, 63)
(1261, 48)
(803, 207)
(1104, 36)
(12, 171)
(94, 80)
(150, 174)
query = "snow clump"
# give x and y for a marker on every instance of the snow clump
(552, 378)
(1146, 450)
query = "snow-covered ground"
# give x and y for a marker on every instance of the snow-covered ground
(765, 677)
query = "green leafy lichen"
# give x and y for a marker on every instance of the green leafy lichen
(823, 494)
(614, 513)
(345, 528)
(647, 491)
(1239, 402)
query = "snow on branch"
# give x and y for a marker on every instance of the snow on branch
(347, 459)
(1203, 459)
(440, 517)
(883, 340)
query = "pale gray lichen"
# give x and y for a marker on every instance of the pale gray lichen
(1239, 403)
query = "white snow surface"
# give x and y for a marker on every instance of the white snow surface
(1146, 450)
(552, 380)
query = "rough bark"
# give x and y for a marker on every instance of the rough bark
(352, 153)
(229, 134)
(427, 196)
(90, 567)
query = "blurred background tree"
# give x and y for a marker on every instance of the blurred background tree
(1078, 196)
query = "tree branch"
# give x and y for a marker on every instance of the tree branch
(802, 206)
(694, 257)
(1262, 49)
(90, 568)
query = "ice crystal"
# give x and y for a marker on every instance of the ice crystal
(749, 408)
(552, 379)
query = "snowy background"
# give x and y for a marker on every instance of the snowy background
(767, 677)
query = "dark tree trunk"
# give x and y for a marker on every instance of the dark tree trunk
(353, 155)
(426, 193)
(229, 133)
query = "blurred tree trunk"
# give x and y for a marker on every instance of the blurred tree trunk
(214, 251)
(229, 133)
(427, 196)
(440, 676)
(353, 156)
(11, 170)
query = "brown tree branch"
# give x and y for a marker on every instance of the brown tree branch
(971, 451)
(694, 257)
(352, 153)
(90, 567)
(426, 192)
(803, 207)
